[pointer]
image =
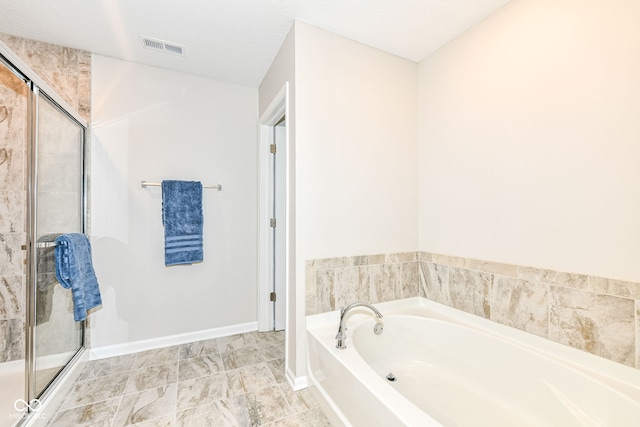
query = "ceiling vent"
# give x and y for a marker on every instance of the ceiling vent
(163, 46)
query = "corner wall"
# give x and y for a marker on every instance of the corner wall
(354, 145)
(356, 132)
(356, 169)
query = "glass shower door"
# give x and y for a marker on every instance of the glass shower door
(59, 209)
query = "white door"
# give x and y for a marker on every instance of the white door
(279, 235)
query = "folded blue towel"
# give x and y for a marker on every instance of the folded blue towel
(74, 269)
(183, 222)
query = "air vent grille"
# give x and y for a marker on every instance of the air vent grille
(163, 46)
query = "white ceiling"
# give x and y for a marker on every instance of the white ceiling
(236, 40)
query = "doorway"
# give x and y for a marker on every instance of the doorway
(273, 224)
(279, 216)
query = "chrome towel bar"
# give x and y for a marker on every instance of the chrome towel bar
(42, 245)
(145, 184)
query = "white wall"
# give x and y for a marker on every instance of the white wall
(282, 70)
(153, 124)
(356, 166)
(530, 139)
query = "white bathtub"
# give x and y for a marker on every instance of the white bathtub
(455, 369)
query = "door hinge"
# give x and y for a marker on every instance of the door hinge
(272, 148)
(272, 297)
(272, 223)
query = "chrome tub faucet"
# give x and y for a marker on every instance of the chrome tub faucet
(341, 337)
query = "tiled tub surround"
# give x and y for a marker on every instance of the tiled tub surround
(598, 315)
(332, 283)
(231, 381)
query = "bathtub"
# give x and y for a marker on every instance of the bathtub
(455, 369)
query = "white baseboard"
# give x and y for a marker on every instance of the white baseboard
(297, 383)
(153, 343)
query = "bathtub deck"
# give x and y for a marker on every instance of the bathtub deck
(12, 389)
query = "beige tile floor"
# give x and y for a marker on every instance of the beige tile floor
(230, 381)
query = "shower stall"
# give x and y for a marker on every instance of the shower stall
(42, 195)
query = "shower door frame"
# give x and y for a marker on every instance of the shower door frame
(32, 236)
(39, 88)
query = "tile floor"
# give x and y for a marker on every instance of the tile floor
(230, 381)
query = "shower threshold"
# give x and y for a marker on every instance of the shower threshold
(12, 380)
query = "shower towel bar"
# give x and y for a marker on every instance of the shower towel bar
(145, 184)
(42, 245)
(47, 241)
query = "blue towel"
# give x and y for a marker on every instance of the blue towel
(74, 269)
(183, 220)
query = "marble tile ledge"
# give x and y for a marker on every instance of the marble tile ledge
(594, 284)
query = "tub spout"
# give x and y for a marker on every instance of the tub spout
(341, 336)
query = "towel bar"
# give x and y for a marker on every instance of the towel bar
(145, 184)
(48, 241)
(42, 245)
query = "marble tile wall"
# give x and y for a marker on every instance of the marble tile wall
(13, 140)
(337, 282)
(68, 72)
(594, 314)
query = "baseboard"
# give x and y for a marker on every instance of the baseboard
(297, 383)
(153, 343)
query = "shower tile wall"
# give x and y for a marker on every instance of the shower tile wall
(13, 104)
(594, 314)
(68, 72)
